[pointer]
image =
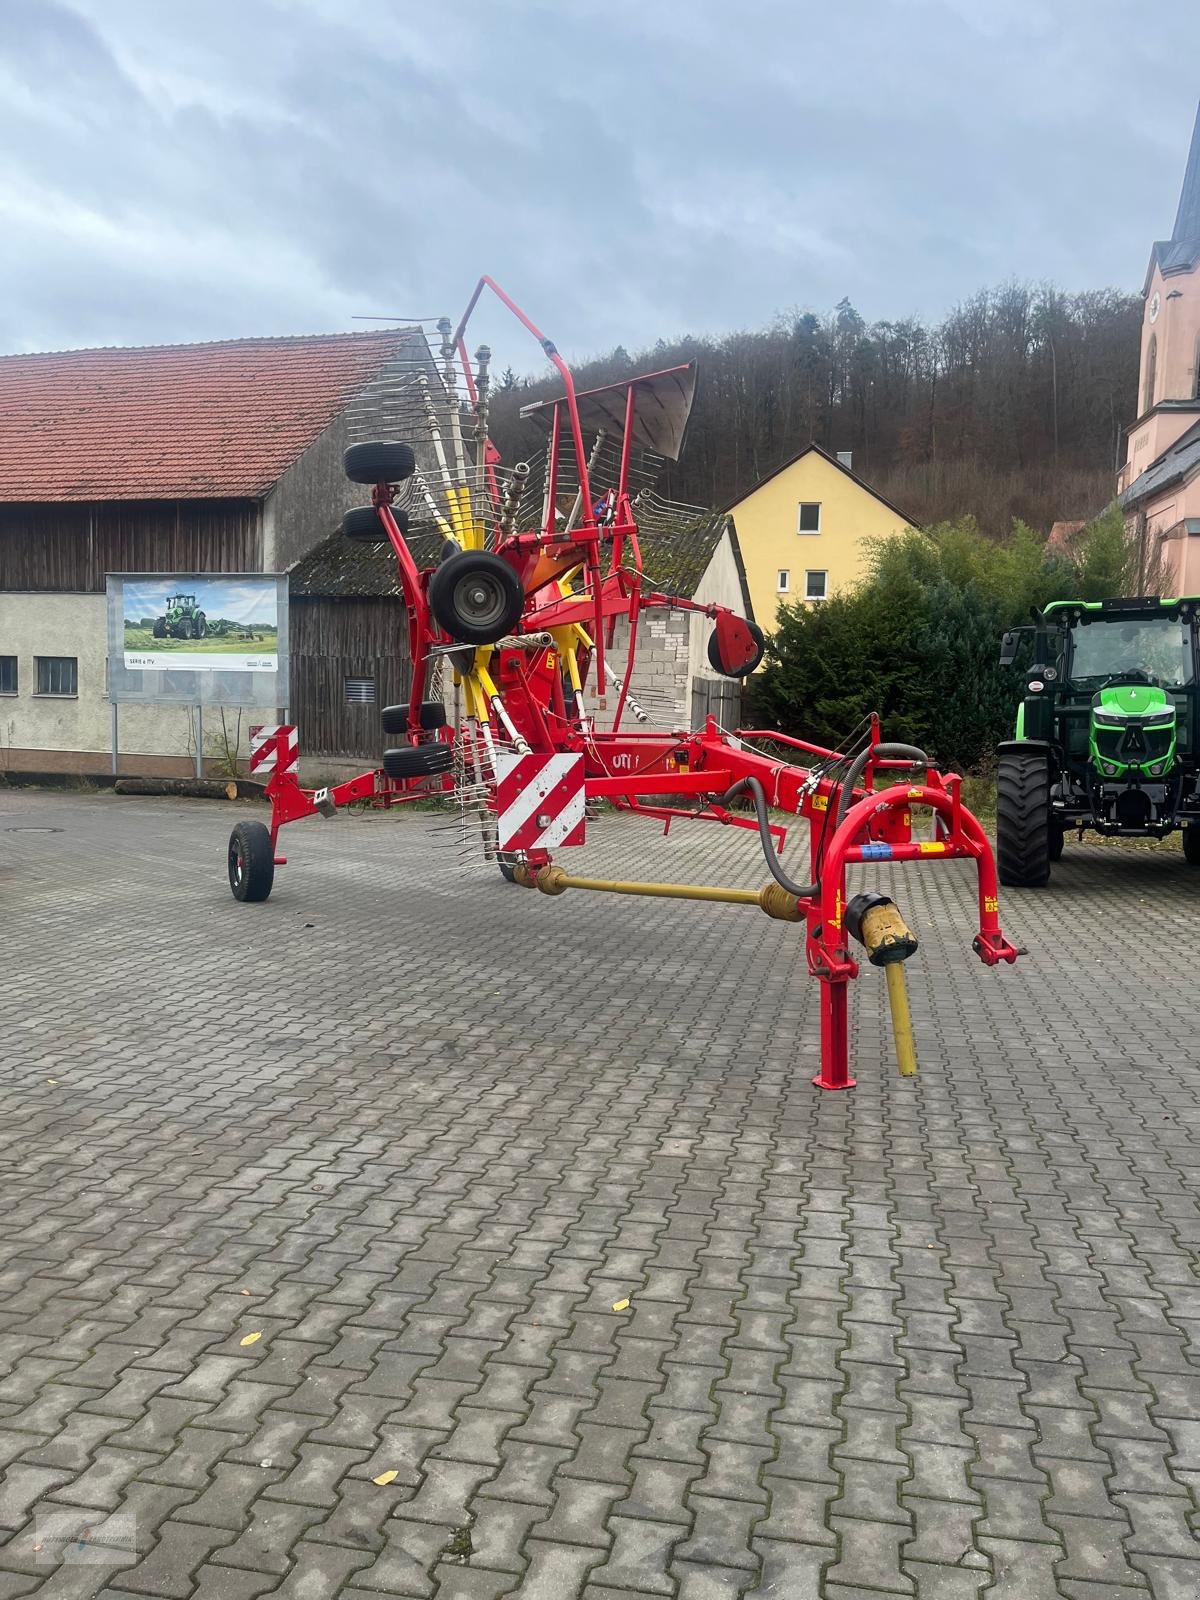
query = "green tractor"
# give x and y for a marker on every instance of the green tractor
(184, 619)
(1108, 731)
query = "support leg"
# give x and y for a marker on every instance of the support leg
(835, 1037)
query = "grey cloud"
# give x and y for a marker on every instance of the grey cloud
(626, 169)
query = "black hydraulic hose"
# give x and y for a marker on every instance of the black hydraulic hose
(752, 787)
(874, 752)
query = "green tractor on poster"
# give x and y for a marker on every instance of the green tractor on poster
(183, 620)
(1108, 731)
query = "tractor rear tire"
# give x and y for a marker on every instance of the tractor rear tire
(1191, 845)
(432, 717)
(1023, 820)
(418, 760)
(363, 524)
(476, 597)
(381, 461)
(251, 861)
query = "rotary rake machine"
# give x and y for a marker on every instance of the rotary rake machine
(524, 589)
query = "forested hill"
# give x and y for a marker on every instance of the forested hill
(1014, 405)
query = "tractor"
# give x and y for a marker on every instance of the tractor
(183, 620)
(1108, 730)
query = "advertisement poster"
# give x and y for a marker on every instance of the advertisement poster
(210, 624)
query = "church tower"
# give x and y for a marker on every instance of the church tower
(1160, 481)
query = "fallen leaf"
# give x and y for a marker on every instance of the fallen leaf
(251, 1338)
(245, 1291)
(51, 1080)
(620, 1305)
(384, 1477)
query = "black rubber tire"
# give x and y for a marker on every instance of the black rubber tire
(1023, 819)
(185, 628)
(507, 872)
(1057, 838)
(382, 461)
(201, 625)
(714, 653)
(1191, 844)
(476, 597)
(251, 861)
(418, 760)
(432, 717)
(363, 524)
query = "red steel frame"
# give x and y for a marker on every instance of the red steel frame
(639, 771)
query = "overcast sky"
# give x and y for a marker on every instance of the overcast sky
(625, 168)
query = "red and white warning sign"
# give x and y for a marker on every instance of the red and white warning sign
(266, 744)
(539, 800)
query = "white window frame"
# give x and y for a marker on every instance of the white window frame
(817, 572)
(783, 580)
(808, 533)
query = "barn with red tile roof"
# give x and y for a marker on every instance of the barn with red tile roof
(222, 457)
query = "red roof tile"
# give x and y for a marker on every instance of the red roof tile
(191, 421)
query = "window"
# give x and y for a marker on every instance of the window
(8, 674)
(359, 691)
(1151, 372)
(784, 581)
(816, 585)
(57, 675)
(810, 517)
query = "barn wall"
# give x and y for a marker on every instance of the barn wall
(71, 548)
(332, 640)
(307, 503)
(49, 734)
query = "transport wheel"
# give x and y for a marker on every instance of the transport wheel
(251, 861)
(506, 864)
(417, 760)
(718, 665)
(1023, 819)
(1057, 835)
(363, 524)
(395, 718)
(1191, 844)
(384, 461)
(476, 597)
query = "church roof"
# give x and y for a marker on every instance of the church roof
(1187, 218)
(1181, 461)
(1181, 251)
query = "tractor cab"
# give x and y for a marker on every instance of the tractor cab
(1107, 732)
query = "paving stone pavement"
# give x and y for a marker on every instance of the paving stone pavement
(420, 1132)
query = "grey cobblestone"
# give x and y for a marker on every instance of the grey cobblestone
(932, 1339)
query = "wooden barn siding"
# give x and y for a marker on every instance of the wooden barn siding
(71, 547)
(332, 640)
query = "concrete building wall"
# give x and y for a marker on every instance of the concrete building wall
(307, 503)
(53, 734)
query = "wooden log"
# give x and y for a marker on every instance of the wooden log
(187, 788)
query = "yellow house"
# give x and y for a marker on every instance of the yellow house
(802, 531)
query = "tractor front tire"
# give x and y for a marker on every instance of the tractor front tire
(1191, 845)
(381, 461)
(476, 597)
(1023, 823)
(159, 630)
(201, 625)
(185, 628)
(251, 861)
(418, 760)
